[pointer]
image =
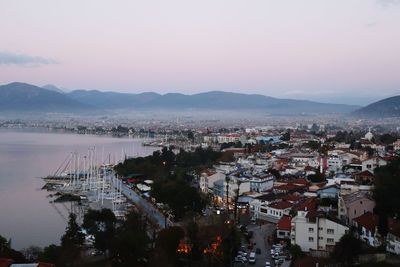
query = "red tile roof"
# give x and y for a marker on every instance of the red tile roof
(281, 205)
(291, 198)
(368, 220)
(365, 173)
(284, 223)
(300, 181)
(307, 204)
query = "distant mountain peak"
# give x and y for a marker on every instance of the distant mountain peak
(53, 88)
(23, 97)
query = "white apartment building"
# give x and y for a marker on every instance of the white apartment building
(271, 212)
(262, 183)
(372, 163)
(314, 231)
(228, 138)
(207, 180)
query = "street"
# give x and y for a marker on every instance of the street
(260, 238)
(153, 213)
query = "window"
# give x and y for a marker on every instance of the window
(361, 202)
(320, 228)
(320, 238)
(330, 231)
(355, 212)
(311, 230)
(330, 240)
(311, 239)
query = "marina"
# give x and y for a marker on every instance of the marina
(26, 156)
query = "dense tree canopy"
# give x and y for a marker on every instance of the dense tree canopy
(131, 243)
(178, 195)
(347, 249)
(386, 193)
(101, 224)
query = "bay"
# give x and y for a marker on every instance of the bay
(26, 216)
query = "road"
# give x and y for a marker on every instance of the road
(260, 237)
(154, 214)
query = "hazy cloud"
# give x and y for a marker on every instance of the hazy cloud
(7, 58)
(388, 2)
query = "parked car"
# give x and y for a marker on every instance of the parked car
(242, 253)
(267, 264)
(252, 257)
(240, 259)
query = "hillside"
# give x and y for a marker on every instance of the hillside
(388, 107)
(25, 97)
(214, 100)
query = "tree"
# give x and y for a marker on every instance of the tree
(237, 191)
(72, 241)
(317, 177)
(191, 136)
(51, 254)
(32, 252)
(227, 180)
(131, 242)
(386, 193)
(101, 224)
(296, 252)
(286, 136)
(7, 252)
(347, 249)
(166, 246)
(178, 195)
(388, 138)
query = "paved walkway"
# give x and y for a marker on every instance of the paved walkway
(154, 214)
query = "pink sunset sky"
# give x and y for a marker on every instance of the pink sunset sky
(344, 51)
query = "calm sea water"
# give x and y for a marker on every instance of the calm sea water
(26, 216)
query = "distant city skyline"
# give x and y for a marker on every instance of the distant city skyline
(328, 51)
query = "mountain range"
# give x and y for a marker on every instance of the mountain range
(19, 97)
(22, 97)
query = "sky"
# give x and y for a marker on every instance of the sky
(338, 51)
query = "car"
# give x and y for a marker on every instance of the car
(239, 258)
(258, 251)
(252, 257)
(242, 253)
(267, 264)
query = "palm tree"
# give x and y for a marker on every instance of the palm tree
(227, 180)
(237, 191)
